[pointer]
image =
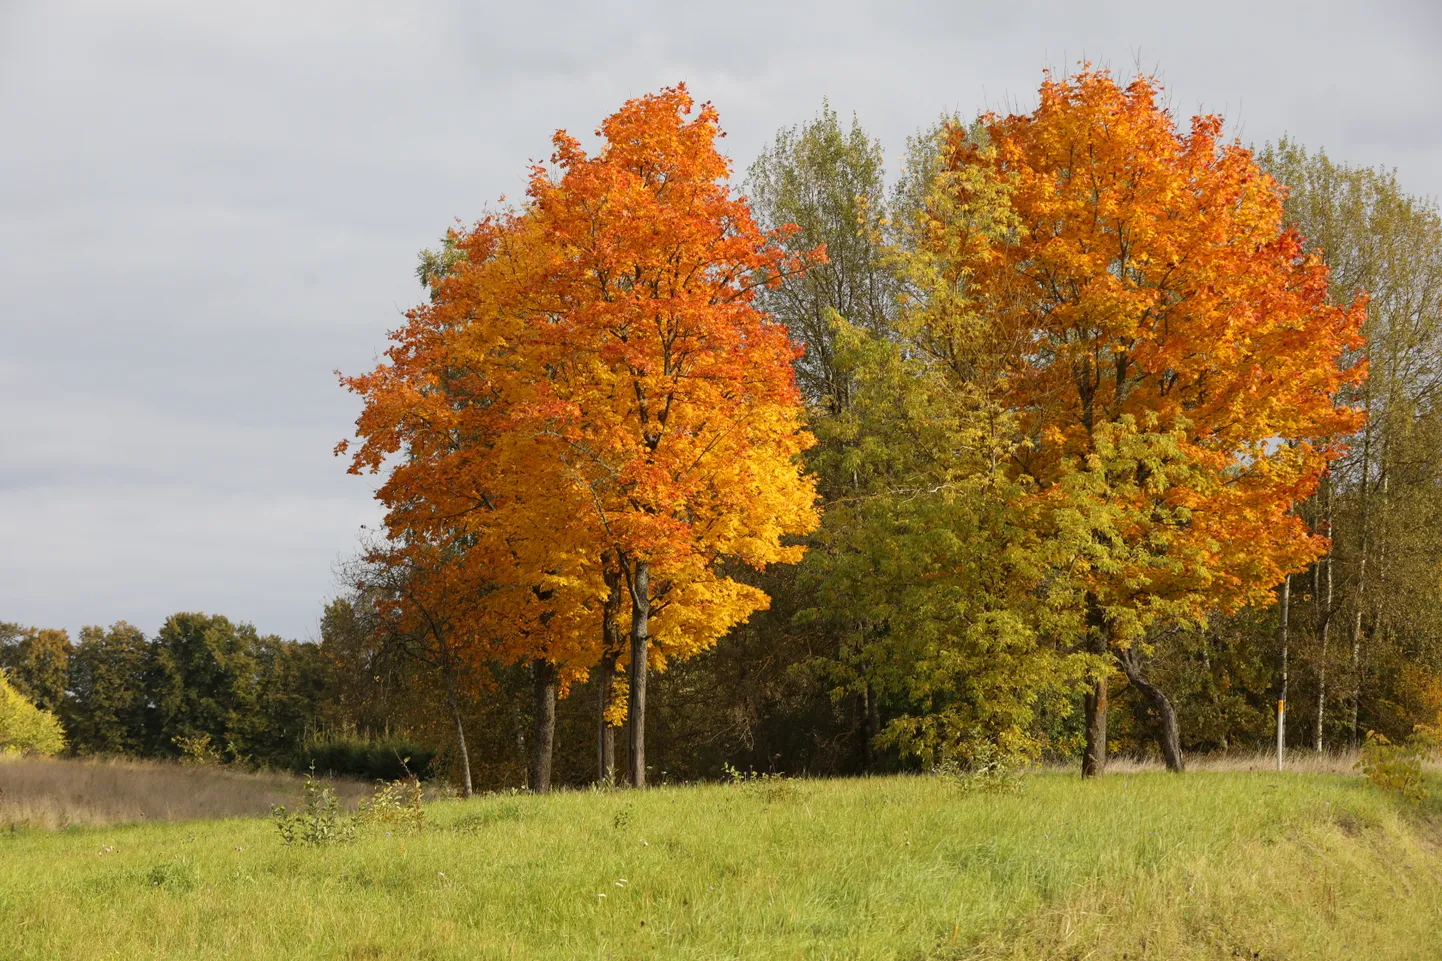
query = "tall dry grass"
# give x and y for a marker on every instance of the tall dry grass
(54, 793)
(1299, 760)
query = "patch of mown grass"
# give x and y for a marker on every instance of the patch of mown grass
(1135, 866)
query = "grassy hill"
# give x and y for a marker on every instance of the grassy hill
(1211, 865)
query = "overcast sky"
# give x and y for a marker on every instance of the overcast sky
(205, 208)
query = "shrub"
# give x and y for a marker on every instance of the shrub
(178, 875)
(321, 819)
(987, 770)
(1397, 768)
(768, 787)
(385, 759)
(198, 750)
(395, 804)
(25, 728)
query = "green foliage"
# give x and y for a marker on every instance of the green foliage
(1397, 768)
(178, 874)
(770, 786)
(320, 819)
(198, 750)
(368, 759)
(396, 805)
(949, 593)
(829, 181)
(25, 728)
(436, 264)
(988, 770)
(108, 709)
(1381, 501)
(37, 661)
(367, 689)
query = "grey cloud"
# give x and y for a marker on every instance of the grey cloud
(205, 209)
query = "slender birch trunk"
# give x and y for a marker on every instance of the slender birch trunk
(1322, 593)
(1284, 615)
(465, 755)
(1380, 566)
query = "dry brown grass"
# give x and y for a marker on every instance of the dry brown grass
(1299, 761)
(54, 793)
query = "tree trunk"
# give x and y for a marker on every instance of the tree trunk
(605, 733)
(870, 727)
(1094, 757)
(1364, 545)
(640, 644)
(1323, 601)
(1379, 595)
(612, 645)
(1169, 738)
(465, 755)
(1283, 618)
(543, 679)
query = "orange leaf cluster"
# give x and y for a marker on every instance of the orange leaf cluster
(592, 386)
(1146, 286)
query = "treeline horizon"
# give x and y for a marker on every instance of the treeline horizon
(1208, 488)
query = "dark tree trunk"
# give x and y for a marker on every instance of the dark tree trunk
(640, 644)
(612, 647)
(1169, 737)
(605, 733)
(543, 679)
(1094, 757)
(870, 727)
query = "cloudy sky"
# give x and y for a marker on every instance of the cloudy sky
(206, 208)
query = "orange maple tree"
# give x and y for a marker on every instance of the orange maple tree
(591, 399)
(1169, 349)
(447, 419)
(670, 400)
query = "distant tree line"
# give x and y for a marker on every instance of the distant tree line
(254, 697)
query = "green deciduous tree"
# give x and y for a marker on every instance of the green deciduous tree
(37, 659)
(108, 710)
(25, 728)
(1373, 619)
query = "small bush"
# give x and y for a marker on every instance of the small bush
(388, 759)
(1397, 768)
(178, 875)
(198, 750)
(767, 787)
(395, 804)
(321, 819)
(988, 770)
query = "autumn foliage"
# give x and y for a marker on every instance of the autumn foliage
(1169, 348)
(1107, 376)
(592, 391)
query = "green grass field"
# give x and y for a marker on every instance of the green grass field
(1211, 865)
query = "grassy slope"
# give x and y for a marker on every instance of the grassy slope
(1136, 866)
